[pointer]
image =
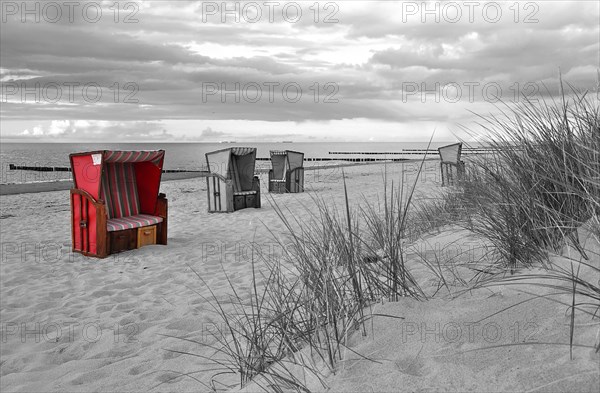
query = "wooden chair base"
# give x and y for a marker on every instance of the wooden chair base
(90, 236)
(448, 170)
(294, 182)
(222, 198)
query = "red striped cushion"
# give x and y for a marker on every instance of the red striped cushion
(119, 190)
(140, 220)
(133, 156)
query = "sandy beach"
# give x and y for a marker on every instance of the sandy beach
(77, 324)
(433, 223)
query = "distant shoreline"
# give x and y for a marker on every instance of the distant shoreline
(62, 185)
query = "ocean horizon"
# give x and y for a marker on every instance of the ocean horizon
(187, 156)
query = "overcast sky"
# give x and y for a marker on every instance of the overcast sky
(272, 71)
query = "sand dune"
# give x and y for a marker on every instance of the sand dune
(73, 324)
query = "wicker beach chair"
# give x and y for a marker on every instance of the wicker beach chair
(231, 183)
(451, 166)
(287, 173)
(115, 204)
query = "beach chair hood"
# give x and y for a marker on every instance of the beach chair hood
(295, 159)
(91, 168)
(450, 153)
(236, 164)
(285, 160)
(278, 163)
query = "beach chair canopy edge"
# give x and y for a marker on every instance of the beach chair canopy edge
(278, 163)
(218, 162)
(135, 172)
(450, 153)
(285, 160)
(295, 159)
(234, 163)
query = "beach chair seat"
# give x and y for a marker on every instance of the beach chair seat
(287, 171)
(115, 203)
(131, 222)
(231, 184)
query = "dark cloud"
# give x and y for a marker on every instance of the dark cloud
(167, 64)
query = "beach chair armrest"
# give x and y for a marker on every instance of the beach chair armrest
(92, 208)
(162, 205)
(270, 185)
(87, 195)
(219, 177)
(256, 187)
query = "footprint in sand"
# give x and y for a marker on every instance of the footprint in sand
(104, 308)
(142, 368)
(168, 378)
(56, 295)
(170, 355)
(412, 365)
(115, 353)
(126, 306)
(89, 377)
(102, 293)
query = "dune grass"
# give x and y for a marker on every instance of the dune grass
(348, 260)
(543, 176)
(306, 303)
(534, 192)
(527, 198)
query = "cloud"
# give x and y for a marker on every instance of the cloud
(210, 134)
(172, 65)
(99, 130)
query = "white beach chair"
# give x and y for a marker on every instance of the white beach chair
(287, 173)
(451, 166)
(231, 184)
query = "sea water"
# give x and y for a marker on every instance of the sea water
(187, 156)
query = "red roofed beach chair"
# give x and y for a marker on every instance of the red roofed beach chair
(451, 163)
(287, 173)
(231, 183)
(115, 204)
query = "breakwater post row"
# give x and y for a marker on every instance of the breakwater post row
(357, 159)
(14, 167)
(420, 152)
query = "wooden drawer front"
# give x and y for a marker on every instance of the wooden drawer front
(239, 202)
(123, 240)
(279, 187)
(146, 236)
(251, 200)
